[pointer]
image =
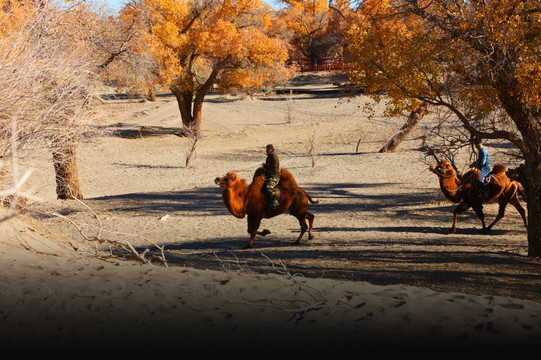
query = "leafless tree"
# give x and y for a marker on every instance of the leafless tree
(46, 89)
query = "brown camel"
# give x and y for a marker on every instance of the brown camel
(242, 199)
(464, 191)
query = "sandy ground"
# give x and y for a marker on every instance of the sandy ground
(382, 269)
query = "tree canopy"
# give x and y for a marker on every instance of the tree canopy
(199, 45)
(480, 59)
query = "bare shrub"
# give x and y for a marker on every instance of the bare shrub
(47, 84)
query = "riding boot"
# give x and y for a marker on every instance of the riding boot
(483, 189)
(274, 198)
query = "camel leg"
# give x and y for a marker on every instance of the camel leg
(310, 225)
(478, 208)
(304, 227)
(302, 222)
(516, 203)
(501, 212)
(463, 206)
(253, 225)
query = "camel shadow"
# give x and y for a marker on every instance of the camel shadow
(377, 263)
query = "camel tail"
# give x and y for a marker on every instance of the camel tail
(312, 201)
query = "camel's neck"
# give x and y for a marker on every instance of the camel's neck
(235, 199)
(451, 185)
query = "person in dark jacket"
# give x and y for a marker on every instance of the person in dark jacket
(272, 175)
(483, 163)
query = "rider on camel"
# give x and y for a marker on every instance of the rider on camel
(483, 164)
(272, 175)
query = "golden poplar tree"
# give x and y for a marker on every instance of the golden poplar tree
(201, 45)
(478, 59)
(315, 27)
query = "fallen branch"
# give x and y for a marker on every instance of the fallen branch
(123, 244)
(303, 286)
(312, 146)
(227, 268)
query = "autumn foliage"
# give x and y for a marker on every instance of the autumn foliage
(414, 48)
(201, 45)
(477, 59)
(313, 28)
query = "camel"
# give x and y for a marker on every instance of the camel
(242, 199)
(464, 191)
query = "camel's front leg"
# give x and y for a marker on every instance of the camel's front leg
(501, 213)
(478, 208)
(250, 242)
(463, 206)
(253, 225)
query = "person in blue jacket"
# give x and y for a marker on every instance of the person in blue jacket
(483, 163)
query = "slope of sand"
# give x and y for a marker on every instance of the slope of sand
(381, 270)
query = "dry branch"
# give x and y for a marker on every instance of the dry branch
(320, 301)
(46, 83)
(123, 244)
(312, 147)
(14, 197)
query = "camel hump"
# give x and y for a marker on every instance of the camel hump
(285, 175)
(498, 169)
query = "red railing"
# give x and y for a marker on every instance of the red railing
(322, 65)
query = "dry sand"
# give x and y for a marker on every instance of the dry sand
(381, 271)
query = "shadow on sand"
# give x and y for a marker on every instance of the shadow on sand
(414, 253)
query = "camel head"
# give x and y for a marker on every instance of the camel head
(234, 190)
(443, 168)
(226, 181)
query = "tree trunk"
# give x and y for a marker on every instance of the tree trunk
(190, 100)
(191, 118)
(529, 124)
(532, 188)
(67, 174)
(413, 119)
(151, 95)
